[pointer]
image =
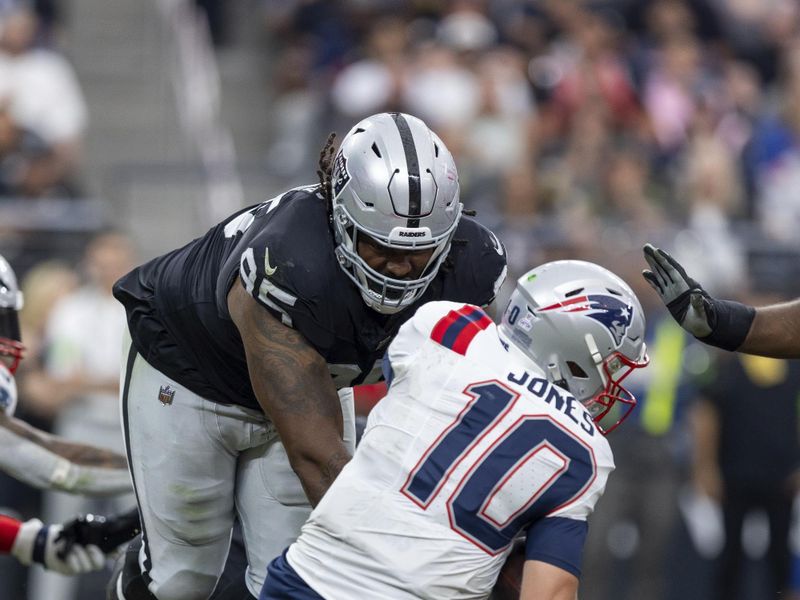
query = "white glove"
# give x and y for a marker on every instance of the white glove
(8, 391)
(44, 544)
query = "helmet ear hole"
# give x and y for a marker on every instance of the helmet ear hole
(576, 370)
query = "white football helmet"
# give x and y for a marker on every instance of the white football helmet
(395, 181)
(585, 327)
(10, 305)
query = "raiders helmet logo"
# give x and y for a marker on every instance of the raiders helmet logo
(610, 311)
(340, 176)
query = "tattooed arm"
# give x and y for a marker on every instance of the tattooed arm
(47, 462)
(295, 389)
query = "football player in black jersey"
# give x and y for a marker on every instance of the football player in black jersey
(241, 338)
(772, 330)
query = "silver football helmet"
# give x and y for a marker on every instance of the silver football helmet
(585, 327)
(10, 305)
(394, 181)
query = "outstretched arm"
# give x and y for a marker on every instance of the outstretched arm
(769, 331)
(775, 331)
(47, 462)
(295, 389)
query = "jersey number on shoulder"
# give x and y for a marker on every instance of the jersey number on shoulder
(534, 467)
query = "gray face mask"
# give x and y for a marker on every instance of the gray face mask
(394, 181)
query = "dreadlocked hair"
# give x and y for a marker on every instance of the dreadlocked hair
(325, 170)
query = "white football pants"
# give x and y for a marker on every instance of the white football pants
(196, 463)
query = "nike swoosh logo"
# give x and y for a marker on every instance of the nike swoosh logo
(498, 247)
(267, 268)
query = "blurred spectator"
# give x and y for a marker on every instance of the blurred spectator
(775, 159)
(757, 31)
(747, 457)
(27, 163)
(594, 73)
(710, 187)
(44, 100)
(672, 90)
(373, 83)
(442, 91)
(630, 196)
(502, 134)
(84, 341)
(296, 107)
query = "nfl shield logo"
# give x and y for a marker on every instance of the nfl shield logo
(165, 394)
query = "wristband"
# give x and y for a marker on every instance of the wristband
(732, 324)
(40, 545)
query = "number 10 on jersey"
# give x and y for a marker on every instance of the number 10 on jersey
(533, 467)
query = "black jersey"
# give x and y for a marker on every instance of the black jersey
(283, 252)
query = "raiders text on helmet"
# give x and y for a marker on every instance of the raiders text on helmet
(394, 181)
(585, 327)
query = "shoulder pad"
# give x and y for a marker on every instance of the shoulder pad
(287, 263)
(452, 325)
(478, 263)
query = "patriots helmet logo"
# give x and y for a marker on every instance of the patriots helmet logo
(612, 312)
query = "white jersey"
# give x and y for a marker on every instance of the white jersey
(470, 447)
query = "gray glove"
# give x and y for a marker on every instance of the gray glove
(721, 323)
(683, 296)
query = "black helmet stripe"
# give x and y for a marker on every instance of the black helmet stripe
(412, 164)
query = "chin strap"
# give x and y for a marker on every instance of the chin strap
(555, 377)
(597, 358)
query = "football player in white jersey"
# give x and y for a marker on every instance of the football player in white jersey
(487, 434)
(47, 462)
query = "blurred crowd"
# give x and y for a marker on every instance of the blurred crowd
(579, 124)
(43, 113)
(581, 129)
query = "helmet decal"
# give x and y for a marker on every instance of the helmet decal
(340, 176)
(615, 314)
(412, 166)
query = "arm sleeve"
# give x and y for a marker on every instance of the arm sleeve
(8, 533)
(36, 466)
(557, 541)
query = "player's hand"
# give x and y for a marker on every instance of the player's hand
(8, 391)
(47, 545)
(105, 533)
(686, 299)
